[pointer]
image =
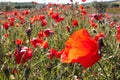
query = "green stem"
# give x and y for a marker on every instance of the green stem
(103, 70)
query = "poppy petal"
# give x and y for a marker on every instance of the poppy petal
(81, 48)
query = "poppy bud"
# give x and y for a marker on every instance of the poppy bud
(94, 31)
(45, 44)
(28, 31)
(27, 72)
(6, 72)
(119, 45)
(6, 25)
(101, 43)
(68, 28)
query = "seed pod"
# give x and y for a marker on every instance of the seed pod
(27, 73)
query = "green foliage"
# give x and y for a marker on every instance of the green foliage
(100, 6)
(113, 10)
(6, 7)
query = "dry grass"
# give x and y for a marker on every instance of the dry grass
(113, 10)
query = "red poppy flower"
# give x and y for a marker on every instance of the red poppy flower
(26, 12)
(11, 19)
(93, 24)
(112, 24)
(118, 34)
(48, 32)
(59, 53)
(52, 53)
(74, 23)
(83, 0)
(21, 18)
(1, 13)
(59, 19)
(55, 16)
(23, 55)
(6, 35)
(97, 16)
(107, 16)
(81, 7)
(19, 42)
(81, 48)
(41, 17)
(43, 23)
(33, 19)
(11, 23)
(35, 42)
(84, 12)
(15, 13)
(6, 25)
(40, 34)
(50, 12)
(45, 44)
(16, 24)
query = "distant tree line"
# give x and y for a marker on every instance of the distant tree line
(115, 5)
(25, 6)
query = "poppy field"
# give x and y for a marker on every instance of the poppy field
(59, 42)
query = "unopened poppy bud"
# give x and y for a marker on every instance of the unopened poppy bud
(6, 72)
(119, 45)
(101, 43)
(94, 31)
(27, 73)
(28, 31)
(68, 28)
